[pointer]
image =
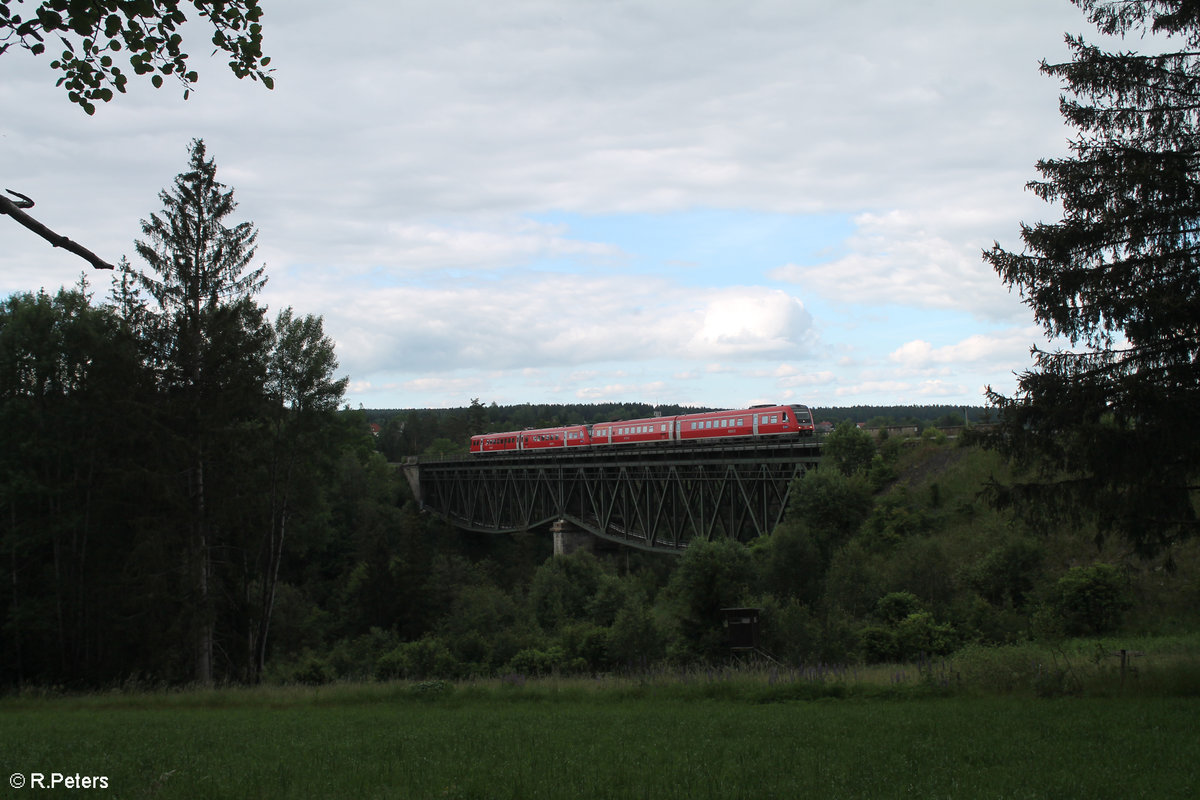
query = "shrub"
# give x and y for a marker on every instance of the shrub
(1007, 574)
(634, 640)
(309, 669)
(1091, 600)
(894, 607)
(919, 633)
(544, 662)
(849, 448)
(420, 660)
(878, 645)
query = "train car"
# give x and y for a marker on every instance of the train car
(716, 425)
(531, 439)
(568, 436)
(752, 422)
(634, 431)
(496, 442)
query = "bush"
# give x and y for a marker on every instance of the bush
(420, 660)
(1007, 574)
(849, 448)
(878, 645)
(919, 634)
(1091, 600)
(544, 662)
(894, 607)
(309, 669)
(634, 640)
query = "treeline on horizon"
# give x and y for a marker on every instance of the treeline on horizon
(432, 431)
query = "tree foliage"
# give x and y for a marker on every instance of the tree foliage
(1107, 427)
(849, 448)
(93, 34)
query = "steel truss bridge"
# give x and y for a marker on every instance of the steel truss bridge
(652, 498)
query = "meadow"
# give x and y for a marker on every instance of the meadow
(902, 731)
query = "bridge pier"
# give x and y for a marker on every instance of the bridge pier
(412, 472)
(569, 538)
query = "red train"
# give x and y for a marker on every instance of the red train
(795, 421)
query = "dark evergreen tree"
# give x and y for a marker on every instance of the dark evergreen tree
(206, 341)
(1106, 430)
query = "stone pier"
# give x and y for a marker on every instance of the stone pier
(569, 537)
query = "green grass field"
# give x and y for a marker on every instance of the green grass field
(568, 740)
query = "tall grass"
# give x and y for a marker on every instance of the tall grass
(1022, 721)
(568, 740)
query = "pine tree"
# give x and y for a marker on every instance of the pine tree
(1106, 429)
(207, 342)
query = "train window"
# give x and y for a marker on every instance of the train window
(741, 422)
(774, 418)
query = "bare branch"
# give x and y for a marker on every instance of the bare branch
(13, 208)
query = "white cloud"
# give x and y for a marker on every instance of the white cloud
(552, 320)
(905, 258)
(754, 322)
(1009, 346)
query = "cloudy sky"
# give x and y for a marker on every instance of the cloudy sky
(700, 202)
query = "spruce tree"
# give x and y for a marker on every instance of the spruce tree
(1106, 429)
(207, 342)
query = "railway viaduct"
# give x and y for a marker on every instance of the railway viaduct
(652, 498)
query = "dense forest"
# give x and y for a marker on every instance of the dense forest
(891, 551)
